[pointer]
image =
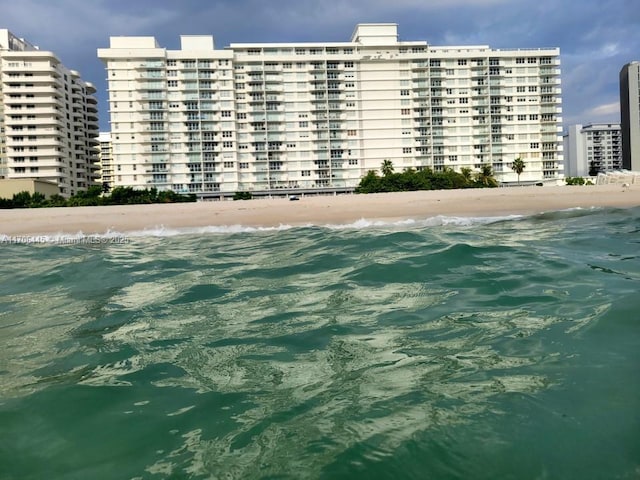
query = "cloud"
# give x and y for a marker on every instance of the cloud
(596, 38)
(605, 110)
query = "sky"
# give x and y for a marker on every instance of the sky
(596, 37)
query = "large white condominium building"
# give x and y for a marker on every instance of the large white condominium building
(48, 118)
(318, 116)
(630, 115)
(593, 148)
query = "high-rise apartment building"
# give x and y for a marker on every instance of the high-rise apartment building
(48, 118)
(105, 161)
(318, 116)
(592, 149)
(630, 115)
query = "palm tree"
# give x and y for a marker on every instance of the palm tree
(485, 176)
(387, 168)
(518, 167)
(466, 174)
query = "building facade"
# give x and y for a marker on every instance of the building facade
(48, 118)
(105, 161)
(299, 117)
(630, 115)
(592, 149)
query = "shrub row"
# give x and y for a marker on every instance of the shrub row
(93, 197)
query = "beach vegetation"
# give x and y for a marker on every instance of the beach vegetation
(425, 179)
(577, 181)
(485, 176)
(387, 168)
(94, 196)
(518, 166)
(574, 181)
(242, 196)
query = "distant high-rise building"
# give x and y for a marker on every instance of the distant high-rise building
(267, 117)
(630, 115)
(106, 161)
(48, 118)
(593, 148)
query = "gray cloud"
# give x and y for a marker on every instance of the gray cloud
(596, 37)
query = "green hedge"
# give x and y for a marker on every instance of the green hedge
(93, 197)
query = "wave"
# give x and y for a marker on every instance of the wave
(114, 237)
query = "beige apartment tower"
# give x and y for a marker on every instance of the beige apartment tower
(315, 117)
(48, 118)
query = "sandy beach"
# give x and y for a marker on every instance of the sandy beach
(317, 210)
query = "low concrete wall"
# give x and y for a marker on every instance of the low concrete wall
(621, 177)
(8, 188)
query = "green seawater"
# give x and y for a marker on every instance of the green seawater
(456, 349)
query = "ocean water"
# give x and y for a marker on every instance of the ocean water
(430, 349)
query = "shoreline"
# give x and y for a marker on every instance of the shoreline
(314, 210)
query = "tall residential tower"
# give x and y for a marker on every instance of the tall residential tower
(630, 115)
(48, 118)
(296, 117)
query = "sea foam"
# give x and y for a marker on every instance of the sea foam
(115, 237)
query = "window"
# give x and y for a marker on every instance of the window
(306, 173)
(522, 117)
(462, 62)
(406, 149)
(406, 111)
(534, 145)
(229, 164)
(226, 113)
(404, 93)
